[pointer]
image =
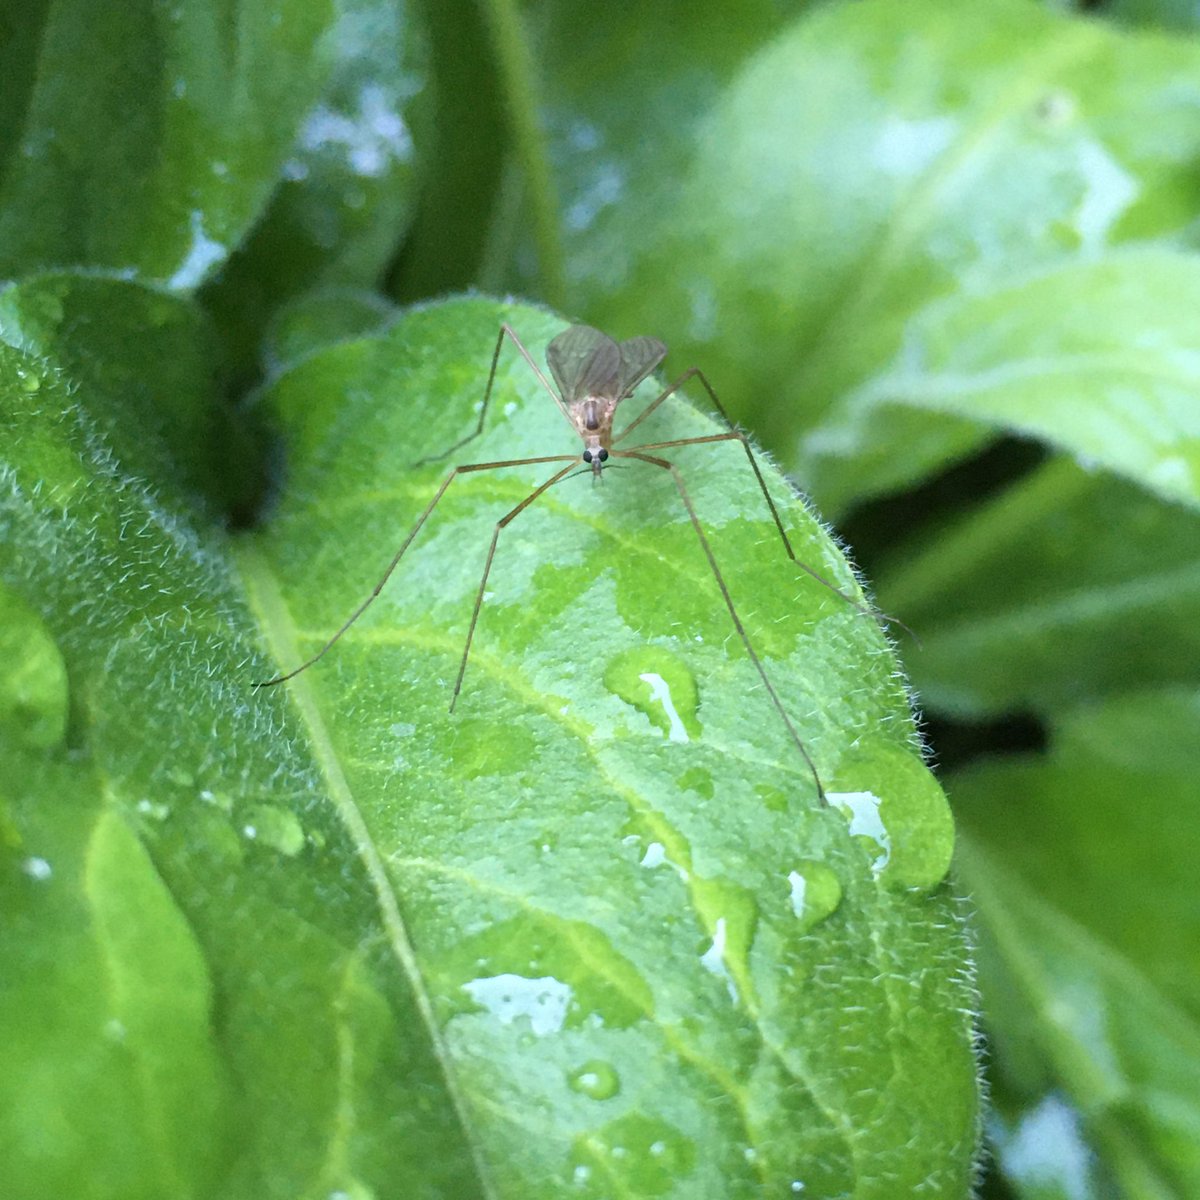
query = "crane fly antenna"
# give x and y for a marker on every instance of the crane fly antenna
(737, 621)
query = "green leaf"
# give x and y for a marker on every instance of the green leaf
(113, 1082)
(870, 160)
(450, 236)
(1083, 871)
(347, 190)
(320, 317)
(1067, 585)
(1167, 14)
(146, 138)
(1095, 358)
(410, 939)
(154, 361)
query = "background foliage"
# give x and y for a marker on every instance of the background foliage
(942, 261)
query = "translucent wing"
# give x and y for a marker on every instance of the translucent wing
(585, 362)
(639, 356)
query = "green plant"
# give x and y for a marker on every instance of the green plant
(579, 939)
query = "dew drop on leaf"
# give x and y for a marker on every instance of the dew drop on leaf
(542, 1003)
(595, 1079)
(730, 913)
(275, 827)
(352, 1190)
(659, 684)
(37, 869)
(897, 807)
(33, 684)
(861, 810)
(814, 893)
(635, 1155)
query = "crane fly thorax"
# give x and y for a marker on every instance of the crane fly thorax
(593, 420)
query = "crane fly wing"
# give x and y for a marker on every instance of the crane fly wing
(639, 356)
(585, 362)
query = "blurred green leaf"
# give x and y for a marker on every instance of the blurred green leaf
(1042, 1150)
(471, 140)
(320, 317)
(347, 191)
(1083, 871)
(113, 1083)
(1097, 359)
(1068, 585)
(146, 138)
(1167, 14)
(151, 357)
(408, 939)
(872, 159)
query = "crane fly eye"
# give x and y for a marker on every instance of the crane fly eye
(587, 456)
(603, 456)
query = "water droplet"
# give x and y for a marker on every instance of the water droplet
(861, 810)
(542, 1002)
(352, 1190)
(275, 827)
(731, 913)
(221, 800)
(37, 868)
(642, 1155)
(815, 892)
(773, 799)
(698, 780)
(910, 811)
(156, 812)
(713, 959)
(537, 965)
(480, 748)
(655, 856)
(596, 1079)
(33, 684)
(659, 684)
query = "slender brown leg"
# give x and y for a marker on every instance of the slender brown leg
(736, 434)
(487, 567)
(506, 330)
(358, 612)
(737, 621)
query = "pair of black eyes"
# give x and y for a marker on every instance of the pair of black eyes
(602, 455)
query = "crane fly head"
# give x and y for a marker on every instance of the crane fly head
(594, 374)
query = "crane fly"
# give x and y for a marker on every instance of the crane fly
(594, 374)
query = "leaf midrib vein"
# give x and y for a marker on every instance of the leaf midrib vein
(264, 596)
